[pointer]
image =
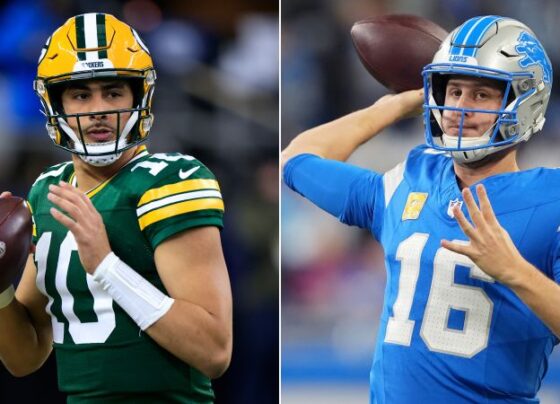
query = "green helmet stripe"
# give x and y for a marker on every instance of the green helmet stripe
(80, 36)
(101, 35)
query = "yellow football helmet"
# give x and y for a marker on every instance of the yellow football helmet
(95, 46)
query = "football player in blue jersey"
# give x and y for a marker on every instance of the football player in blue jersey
(472, 247)
(128, 281)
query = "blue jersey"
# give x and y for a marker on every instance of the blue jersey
(449, 333)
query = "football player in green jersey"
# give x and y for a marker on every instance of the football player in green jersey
(128, 280)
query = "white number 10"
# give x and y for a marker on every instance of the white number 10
(444, 296)
(81, 332)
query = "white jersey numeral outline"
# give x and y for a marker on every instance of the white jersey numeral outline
(81, 332)
(444, 295)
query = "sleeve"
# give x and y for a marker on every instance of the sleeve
(173, 205)
(555, 259)
(343, 190)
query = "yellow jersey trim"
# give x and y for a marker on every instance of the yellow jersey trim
(92, 192)
(178, 209)
(177, 188)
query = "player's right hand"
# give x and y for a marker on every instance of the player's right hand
(407, 104)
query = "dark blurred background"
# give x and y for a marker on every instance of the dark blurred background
(333, 276)
(217, 99)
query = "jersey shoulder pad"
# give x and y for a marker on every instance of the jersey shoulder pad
(52, 175)
(161, 168)
(535, 185)
(424, 164)
(178, 191)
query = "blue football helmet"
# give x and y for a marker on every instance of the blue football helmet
(496, 48)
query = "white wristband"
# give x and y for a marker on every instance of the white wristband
(141, 300)
(7, 296)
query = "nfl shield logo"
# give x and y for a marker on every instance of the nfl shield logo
(452, 204)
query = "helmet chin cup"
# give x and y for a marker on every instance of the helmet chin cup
(466, 156)
(101, 161)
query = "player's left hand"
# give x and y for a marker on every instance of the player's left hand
(490, 246)
(83, 220)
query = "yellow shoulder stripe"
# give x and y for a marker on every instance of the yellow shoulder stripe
(179, 208)
(177, 188)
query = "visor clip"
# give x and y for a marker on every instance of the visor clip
(512, 130)
(527, 84)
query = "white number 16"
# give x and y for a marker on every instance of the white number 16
(444, 296)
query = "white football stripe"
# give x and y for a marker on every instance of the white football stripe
(391, 180)
(177, 198)
(53, 173)
(90, 31)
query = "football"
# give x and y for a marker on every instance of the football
(15, 237)
(395, 48)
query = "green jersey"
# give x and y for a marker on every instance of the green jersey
(100, 351)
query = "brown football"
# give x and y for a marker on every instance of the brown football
(395, 48)
(15, 238)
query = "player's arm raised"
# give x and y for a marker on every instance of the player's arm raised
(338, 139)
(26, 336)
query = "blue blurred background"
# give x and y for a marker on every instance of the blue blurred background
(217, 99)
(333, 277)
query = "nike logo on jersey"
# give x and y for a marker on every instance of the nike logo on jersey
(186, 174)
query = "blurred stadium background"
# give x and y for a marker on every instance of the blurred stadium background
(217, 99)
(333, 277)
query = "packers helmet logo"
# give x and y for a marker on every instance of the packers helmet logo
(44, 50)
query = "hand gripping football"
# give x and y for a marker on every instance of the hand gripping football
(15, 239)
(395, 48)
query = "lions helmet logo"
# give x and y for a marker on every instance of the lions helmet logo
(533, 53)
